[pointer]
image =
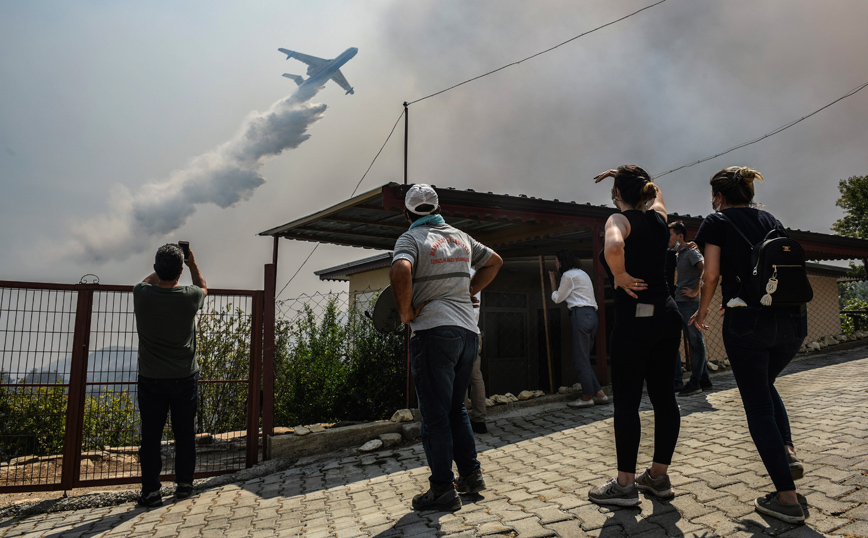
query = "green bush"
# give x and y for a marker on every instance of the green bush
(848, 326)
(34, 419)
(110, 419)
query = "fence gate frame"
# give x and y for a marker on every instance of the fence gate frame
(70, 476)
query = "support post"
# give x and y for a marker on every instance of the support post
(600, 296)
(406, 136)
(253, 383)
(268, 337)
(542, 284)
(71, 471)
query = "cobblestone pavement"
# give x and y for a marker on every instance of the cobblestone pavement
(538, 466)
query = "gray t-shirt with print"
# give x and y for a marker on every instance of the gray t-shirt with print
(688, 273)
(442, 257)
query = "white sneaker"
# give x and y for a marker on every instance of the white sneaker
(602, 400)
(581, 403)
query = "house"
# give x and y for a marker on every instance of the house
(526, 232)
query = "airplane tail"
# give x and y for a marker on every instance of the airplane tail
(298, 80)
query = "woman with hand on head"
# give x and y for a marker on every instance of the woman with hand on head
(759, 341)
(577, 290)
(645, 335)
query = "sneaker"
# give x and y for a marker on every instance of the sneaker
(581, 403)
(771, 506)
(706, 385)
(602, 400)
(679, 385)
(613, 493)
(442, 502)
(472, 483)
(689, 390)
(659, 487)
(796, 467)
(183, 490)
(151, 500)
(478, 426)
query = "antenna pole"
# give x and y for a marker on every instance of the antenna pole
(406, 136)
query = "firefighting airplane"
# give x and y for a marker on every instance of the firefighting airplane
(319, 71)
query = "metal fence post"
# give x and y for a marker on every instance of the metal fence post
(253, 387)
(73, 433)
(268, 356)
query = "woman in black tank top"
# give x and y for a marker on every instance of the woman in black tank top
(645, 335)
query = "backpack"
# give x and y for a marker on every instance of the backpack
(778, 277)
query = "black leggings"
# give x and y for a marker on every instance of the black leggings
(642, 351)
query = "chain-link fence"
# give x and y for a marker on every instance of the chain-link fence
(332, 365)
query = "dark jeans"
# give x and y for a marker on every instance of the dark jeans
(760, 343)
(157, 398)
(441, 360)
(642, 350)
(699, 372)
(584, 324)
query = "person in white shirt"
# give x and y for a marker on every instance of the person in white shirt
(577, 290)
(475, 399)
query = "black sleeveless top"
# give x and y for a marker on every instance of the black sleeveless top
(645, 258)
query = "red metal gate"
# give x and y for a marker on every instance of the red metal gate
(68, 385)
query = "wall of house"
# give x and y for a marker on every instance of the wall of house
(365, 286)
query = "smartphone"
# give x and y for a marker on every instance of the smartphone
(185, 246)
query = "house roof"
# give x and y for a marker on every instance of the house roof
(345, 270)
(512, 225)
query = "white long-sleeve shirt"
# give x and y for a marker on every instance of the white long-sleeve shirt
(576, 289)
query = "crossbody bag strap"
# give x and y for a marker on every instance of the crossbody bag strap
(741, 233)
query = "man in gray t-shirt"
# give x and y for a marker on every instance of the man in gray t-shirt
(688, 281)
(430, 277)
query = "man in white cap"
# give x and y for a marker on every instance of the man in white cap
(430, 278)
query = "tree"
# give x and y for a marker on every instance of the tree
(854, 202)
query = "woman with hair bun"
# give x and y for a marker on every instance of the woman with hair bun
(645, 335)
(759, 341)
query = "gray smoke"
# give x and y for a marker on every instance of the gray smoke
(224, 177)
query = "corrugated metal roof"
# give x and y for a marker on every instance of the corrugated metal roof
(513, 225)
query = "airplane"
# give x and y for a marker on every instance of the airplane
(319, 71)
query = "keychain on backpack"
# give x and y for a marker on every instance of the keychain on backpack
(771, 287)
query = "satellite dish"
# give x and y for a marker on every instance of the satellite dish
(386, 317)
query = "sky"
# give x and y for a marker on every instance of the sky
(103, 104)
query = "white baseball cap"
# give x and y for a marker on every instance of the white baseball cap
(421, 195)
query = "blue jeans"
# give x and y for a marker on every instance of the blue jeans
(157, 398)
(584, 323)
(441, 360)
(760, 343)
(699, 373)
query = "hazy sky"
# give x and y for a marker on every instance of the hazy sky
(102, 98)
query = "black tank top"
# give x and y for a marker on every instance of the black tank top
(645, 258)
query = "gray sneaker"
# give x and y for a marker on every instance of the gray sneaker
(796, 467)
(771, 506)
(613, 493)
(659, 487)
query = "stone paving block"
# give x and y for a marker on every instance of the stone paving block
(590, 516)
(833, 474)
(827, 505)
(702, 492)
(551, 514)
(567, 529)
(493, 528)
(857, 528)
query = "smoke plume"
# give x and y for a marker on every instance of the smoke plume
(224, 177)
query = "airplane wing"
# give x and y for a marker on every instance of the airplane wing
(338, 77)
(312, 61)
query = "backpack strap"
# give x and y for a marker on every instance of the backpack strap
(741, 233)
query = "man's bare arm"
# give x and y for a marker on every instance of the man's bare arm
(485, 274)
(401, 280)
(152, 279)
(195, 273)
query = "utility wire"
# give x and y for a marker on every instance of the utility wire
(353, 194)
(537, 54)
(763, 137)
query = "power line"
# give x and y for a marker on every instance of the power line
(353, 194)
(538, 53)
(763, 137)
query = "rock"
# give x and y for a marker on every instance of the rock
(499, 399)
(803, 349)
(402, 415)
(511, 397)
(390, 439)
(278, 430)
(316, 428)
(411, 431)
(538, 393)
(830, 340)
(842, 338)
(370, 446)
(822, 344)
(852, 337)
(489, 402)
(564, 390)
(525, 395)
(814, 346)
(207, 438)
(577, 386)
(301, 430)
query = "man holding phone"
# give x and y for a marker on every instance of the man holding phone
(168, 370)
